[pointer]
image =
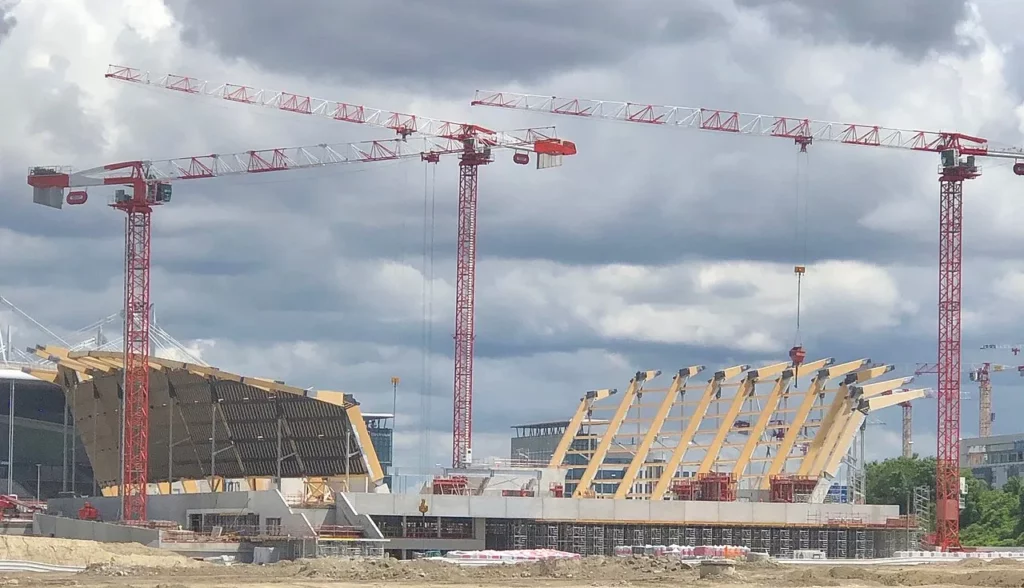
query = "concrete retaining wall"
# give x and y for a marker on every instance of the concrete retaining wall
(623, 511)
(178, 507)
(54, 526)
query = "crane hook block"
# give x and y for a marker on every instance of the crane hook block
(77, 197)
(1018, 168)
(521, 158)
(799, 270)
(797, 355)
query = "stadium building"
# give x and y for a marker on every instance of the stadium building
(743, 458)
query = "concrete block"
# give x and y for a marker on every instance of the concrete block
(523, 508)
(768, 512)
(736, 512)
(669, 511)
(562, 509)
(631, 510)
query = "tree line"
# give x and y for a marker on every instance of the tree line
(991, 516)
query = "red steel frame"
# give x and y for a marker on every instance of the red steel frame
(947, 467)
(465, 304)
(138, 217)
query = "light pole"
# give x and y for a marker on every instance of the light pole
(395, 380)
(38, 480)
(10, 439)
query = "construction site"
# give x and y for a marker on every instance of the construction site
(168, 463)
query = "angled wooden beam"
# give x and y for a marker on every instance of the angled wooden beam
(865, 407)
(575, 423)
(897, 397)
(771, 403)
(358, 425)
(827, 423)
(597, 460)
(711, 391)
(59, 355)
(44, 374)
(742, 393)
(847, 412)
(803, 411)
(678, 382)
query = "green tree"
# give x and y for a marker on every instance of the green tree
(990, 517)
(892, 481)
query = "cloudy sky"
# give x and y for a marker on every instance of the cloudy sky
(651, 249)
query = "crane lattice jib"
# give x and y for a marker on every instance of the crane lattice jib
(402, 123)
(260, 161)
(802, 130)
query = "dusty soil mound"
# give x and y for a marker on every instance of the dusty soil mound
(633, 570)
(967, 573)
(89, 553)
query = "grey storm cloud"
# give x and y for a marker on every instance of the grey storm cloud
(440, 43)
(7, 20)
(912, 27)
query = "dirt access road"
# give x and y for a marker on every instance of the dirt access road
(135, 566)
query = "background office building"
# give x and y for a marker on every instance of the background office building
(47, 451)
(994, 459)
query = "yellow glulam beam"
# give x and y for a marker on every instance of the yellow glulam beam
(596, 460)
(678, 384)
(575, 423)
(816, 388)
(834, 437)
(745, 390)
(355, 418)
(856, 420)
(711, 391)
(771, 403)
(815, 448)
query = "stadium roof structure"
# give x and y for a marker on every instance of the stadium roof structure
(206, 422)
(751, 425)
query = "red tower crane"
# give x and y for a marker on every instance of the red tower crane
(958, 153)
(982, 375)
(549, 150)
(149, 184)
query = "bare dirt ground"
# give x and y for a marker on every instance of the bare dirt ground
(135, 566)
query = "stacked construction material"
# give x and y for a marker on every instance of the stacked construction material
(684, 551)
(490, 556)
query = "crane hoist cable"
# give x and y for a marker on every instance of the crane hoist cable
(797, 354)
(427, 302)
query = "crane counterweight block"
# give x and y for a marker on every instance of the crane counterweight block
(554, 147)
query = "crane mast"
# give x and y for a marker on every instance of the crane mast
(958, 152)
(135, 419)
